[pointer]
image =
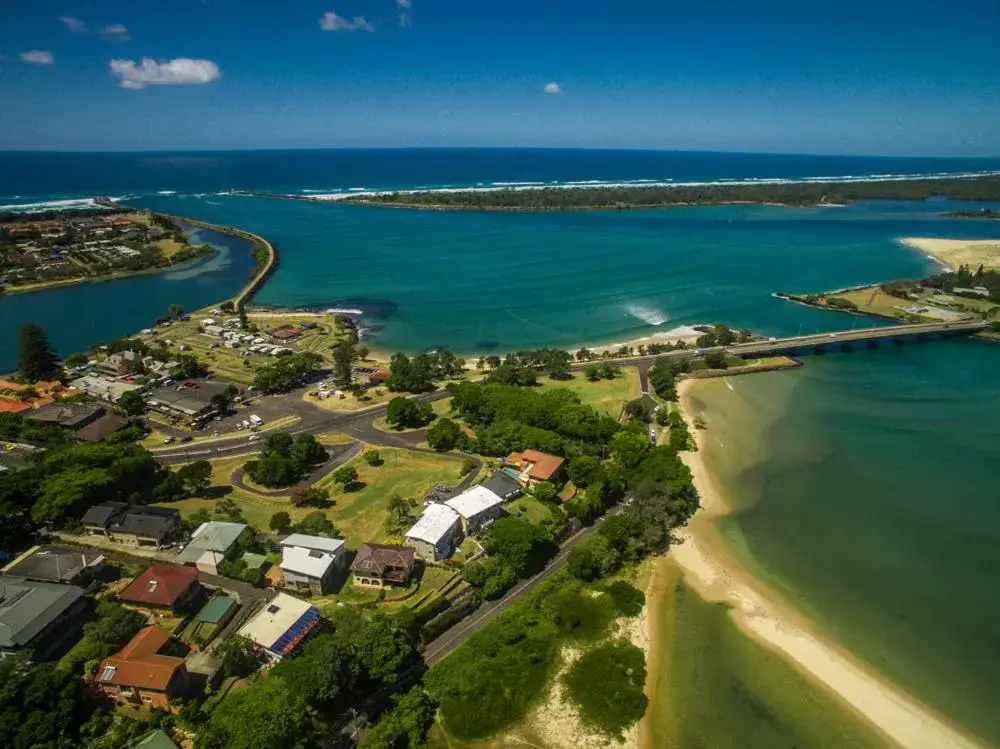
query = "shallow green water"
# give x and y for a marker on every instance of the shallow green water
(866, 488)
(718, 689)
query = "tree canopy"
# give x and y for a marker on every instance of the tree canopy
(36, 360)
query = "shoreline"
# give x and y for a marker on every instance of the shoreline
(711, 570)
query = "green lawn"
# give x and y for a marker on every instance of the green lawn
(529, 509)
(607, 396)
(359, 515)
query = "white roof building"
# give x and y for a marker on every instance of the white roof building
(310, 556)
(475, 501)
(434, 525)
(282, 625)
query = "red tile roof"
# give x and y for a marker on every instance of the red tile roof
(541, 466)
(138, 664)
(12, 405)
(160, 586)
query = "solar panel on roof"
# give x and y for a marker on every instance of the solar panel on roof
(297, 632)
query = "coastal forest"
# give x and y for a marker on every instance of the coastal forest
(651, 196)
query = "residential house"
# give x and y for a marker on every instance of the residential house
(282, 626)
(477, 507)
(286, 333)
(504, 485)
(38, 616)
(311, 563)
(534, 466)
(435, 533)
(143, 673)
(377, 377)
(211, 543)
(146, 526)
(101, 429)
(124, 363)
(379, 565)
(163, 587)
(72, 416)
(57, 564)
(97, 520)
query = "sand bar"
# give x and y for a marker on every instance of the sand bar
(958, 252)
(712, 571)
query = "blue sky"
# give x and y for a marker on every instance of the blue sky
(873, 77)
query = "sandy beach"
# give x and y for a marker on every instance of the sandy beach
(957, 252)
(712, 571)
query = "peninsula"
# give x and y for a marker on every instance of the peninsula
(61, 248)
(623, 196)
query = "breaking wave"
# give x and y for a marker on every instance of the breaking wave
(648, 314)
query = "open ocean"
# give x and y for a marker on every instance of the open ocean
(870, 497)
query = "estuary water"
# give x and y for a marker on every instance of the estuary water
(865, 483)
(865, 492)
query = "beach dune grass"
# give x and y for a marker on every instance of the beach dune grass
(715, 688)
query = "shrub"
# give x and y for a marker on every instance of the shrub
(606, 684)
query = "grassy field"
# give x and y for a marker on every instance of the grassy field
(718, 689)
(529, 509)
(876, 301)
(170, 246)
(607, 396)
(359, 515)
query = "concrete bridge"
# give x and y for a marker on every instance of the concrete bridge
(846, 340)
(842, 340)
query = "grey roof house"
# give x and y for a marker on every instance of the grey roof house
(310, 563)
(503, 485)
(38, 616)
(69, 415)
(99, 517)
(146, 526)
(211, 543)
(57, 564)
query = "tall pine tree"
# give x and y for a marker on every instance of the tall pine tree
(35, 358)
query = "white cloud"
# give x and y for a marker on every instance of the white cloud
(404, 3)
(38, 57)
(405, 20)
(73, 24)
(149, 72)
(330, 21)
(115, 32)
(552, 88)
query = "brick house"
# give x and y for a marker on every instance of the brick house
(142, 673)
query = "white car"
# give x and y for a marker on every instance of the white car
(254, 438)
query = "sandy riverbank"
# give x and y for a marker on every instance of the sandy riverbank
(712, 571)
(957, 252)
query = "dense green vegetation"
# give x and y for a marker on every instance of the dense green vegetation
(516, 549)
(287, 372)
(796, 194)
(45, 706)
(965, 278)
(606, 684)
(36, 359)
(508, 417)
(290, 706)
(403, 413)
(417, 375)
(285, 459)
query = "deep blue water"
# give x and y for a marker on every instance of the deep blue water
(39, 175)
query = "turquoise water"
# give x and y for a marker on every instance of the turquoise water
(871, 501)
(480, 281)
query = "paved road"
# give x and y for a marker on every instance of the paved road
(450, 640)
(313, 420)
